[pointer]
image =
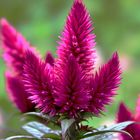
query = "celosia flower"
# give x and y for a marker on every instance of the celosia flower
(70, 86)
(14, 48)
(77, 37)
(70, 89)
(103, 84)
(17, 93)
(38, 80)
(124, 114)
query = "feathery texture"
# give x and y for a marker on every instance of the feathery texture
(124, 114)
(70, 93)
(66, 85)
(77, 37)
(104, 84)
(14, 45)
(38, 81)
(17, 93)
(70, 90)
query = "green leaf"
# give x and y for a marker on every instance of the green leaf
(101, 137)
(46, 117)
(20, 137)
(32, 129)
(39, 130)
(120, 126)
(49, 121)
(106, 132)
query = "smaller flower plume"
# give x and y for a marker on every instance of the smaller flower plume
(17, 93)
(103, 84)
(124, 114)
(38, 81)
(14, 47)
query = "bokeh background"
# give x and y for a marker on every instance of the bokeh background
(117, 27)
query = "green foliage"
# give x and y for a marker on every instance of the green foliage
(70, 129)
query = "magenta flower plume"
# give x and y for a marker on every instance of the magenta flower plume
(66, 85)
(17, 93)
(77, 37)
(38, 81)
(65, 88)
(70, 94)
(104, 84)
(14, 47)
(124, 114)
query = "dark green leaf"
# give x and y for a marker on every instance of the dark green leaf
(37, 114)
(45, 119)
(52, 136)
(120, 126)
(20, 137)
(39, 130)
(105, 131)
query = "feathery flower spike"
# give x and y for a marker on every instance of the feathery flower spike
(38, 81)
(71, 91)
(70, 94)
(104, 84)
(67, 85)
(17, 94)
(77, 37)
(14, 47)
(124, 114)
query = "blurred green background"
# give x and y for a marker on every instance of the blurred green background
(117, 27)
